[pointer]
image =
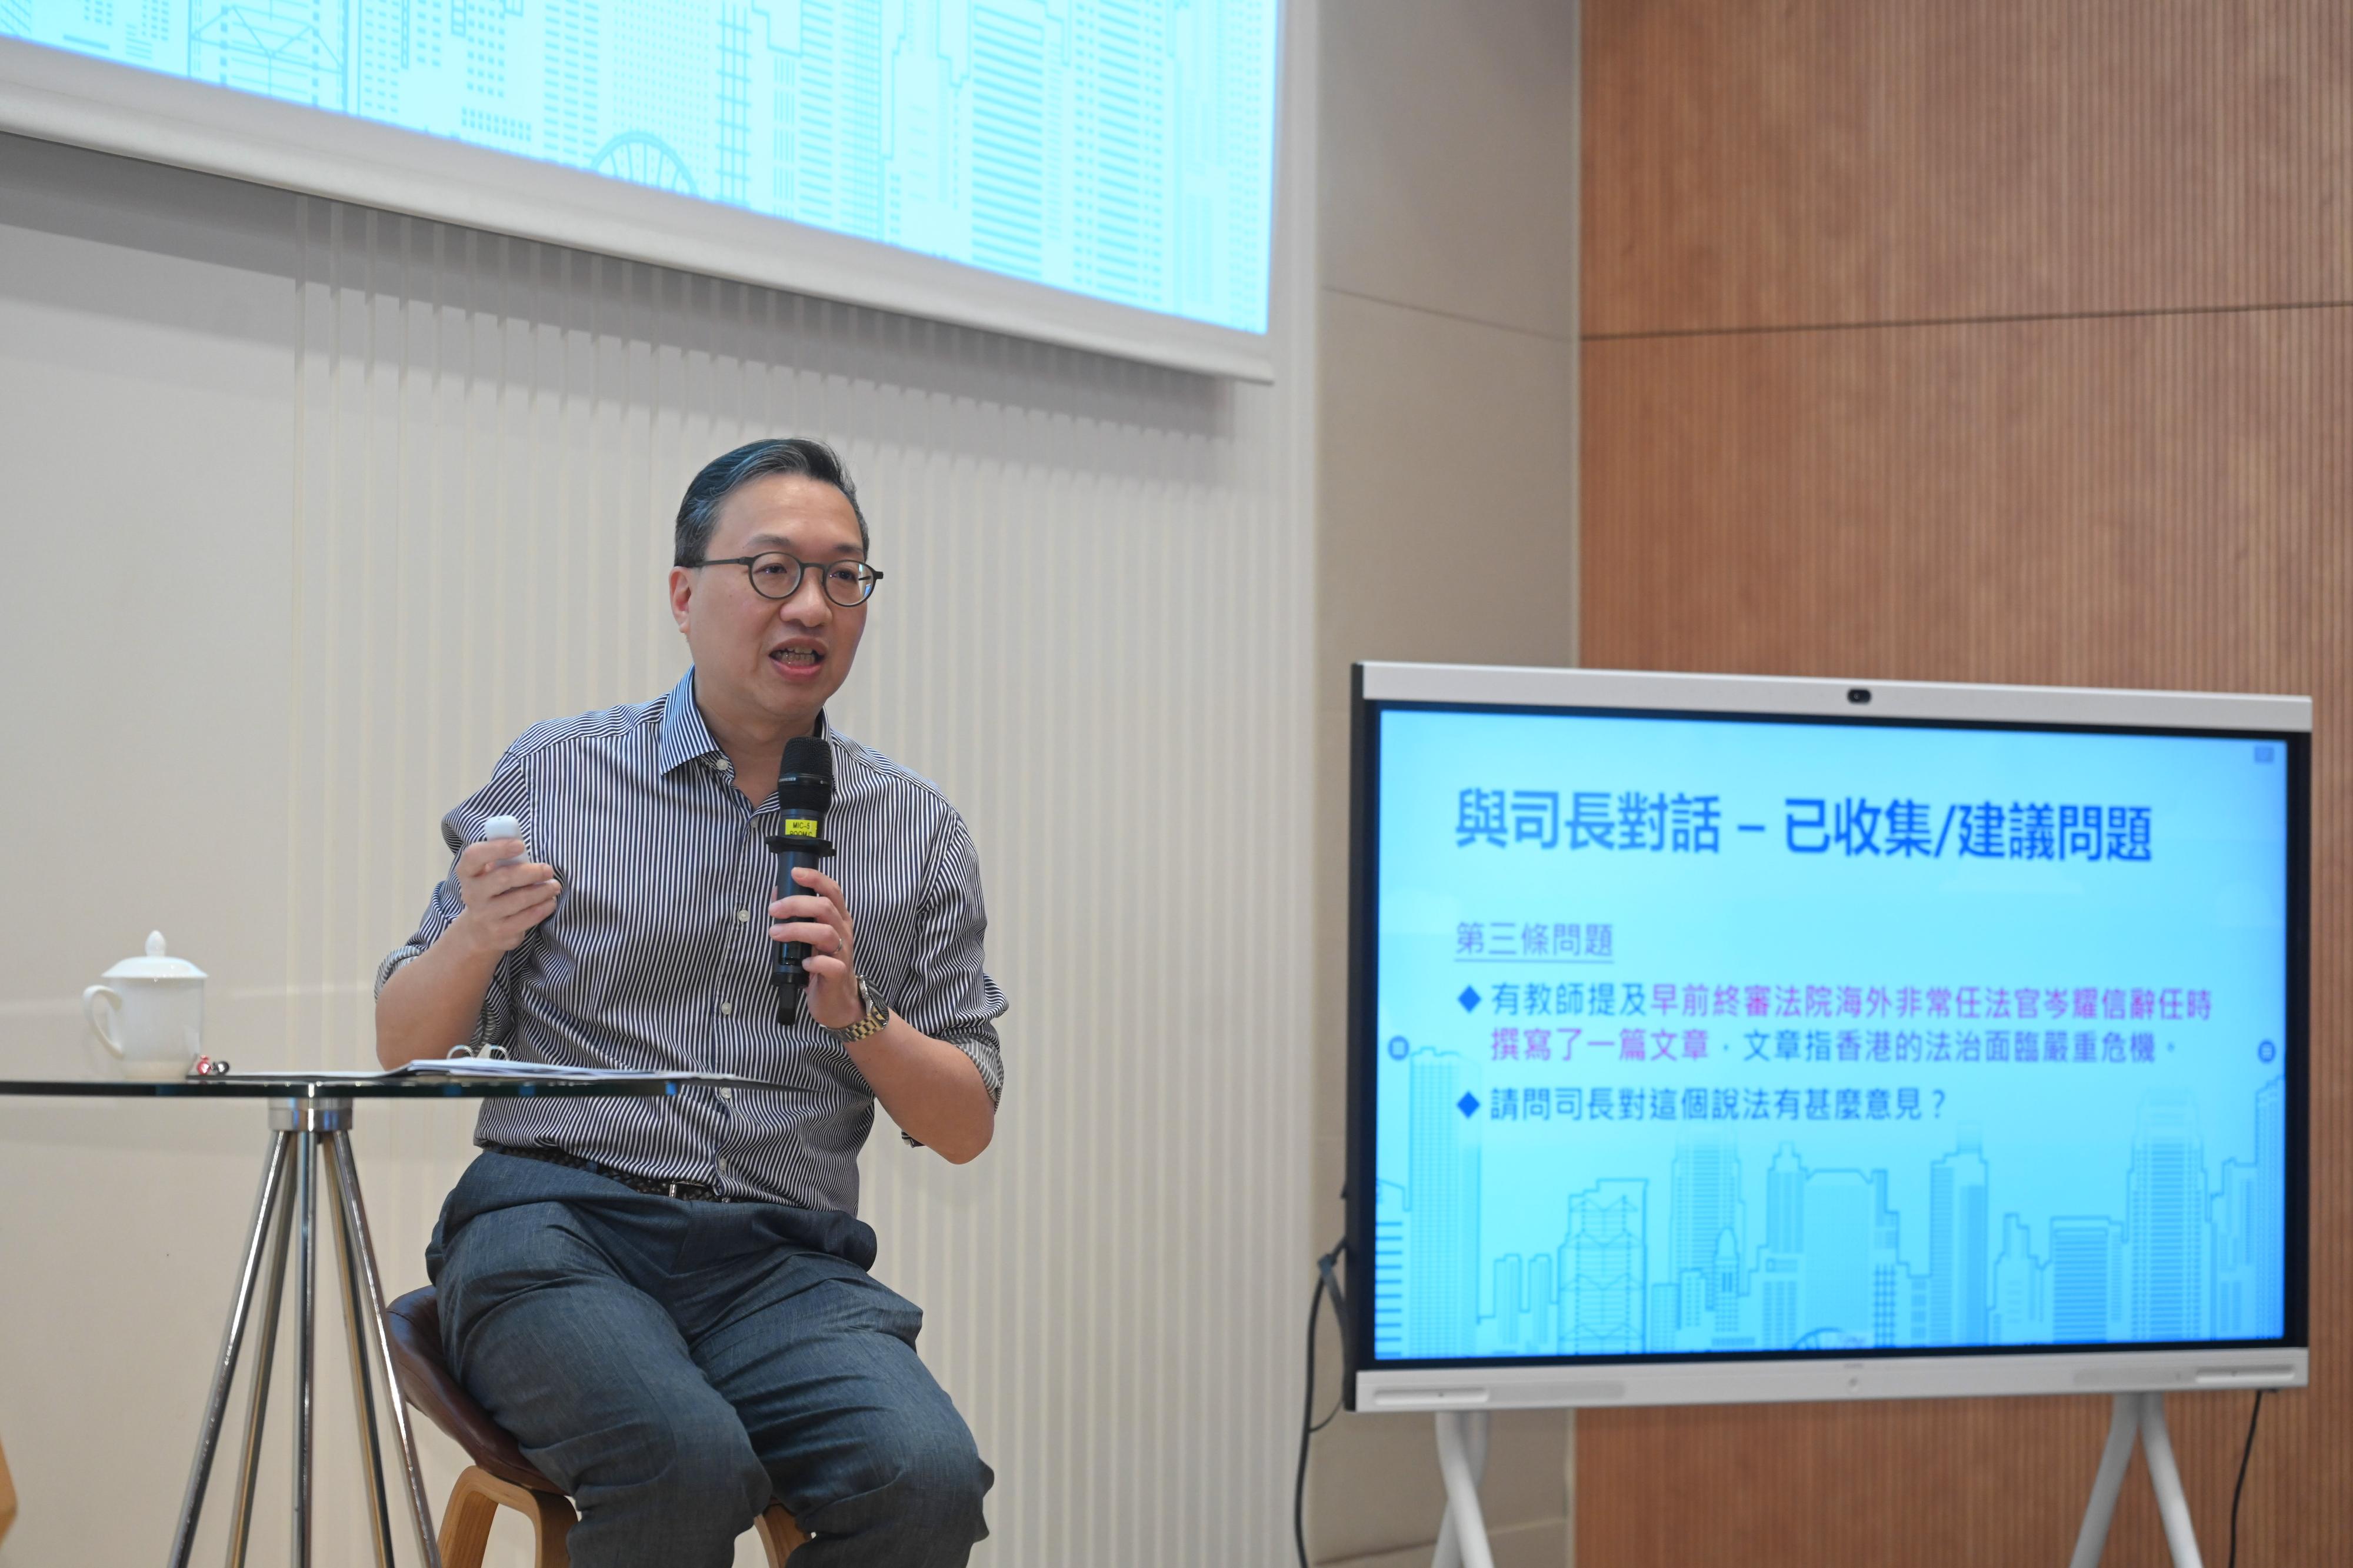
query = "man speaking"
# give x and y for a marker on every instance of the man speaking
(666, 1301)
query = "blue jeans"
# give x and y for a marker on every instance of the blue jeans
(675, 1365)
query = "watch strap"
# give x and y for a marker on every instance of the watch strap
(872, 1022)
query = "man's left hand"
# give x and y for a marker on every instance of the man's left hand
(818, 919)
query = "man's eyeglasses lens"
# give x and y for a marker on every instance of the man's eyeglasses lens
(846, 583)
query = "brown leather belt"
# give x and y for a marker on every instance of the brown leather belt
(695, 1192)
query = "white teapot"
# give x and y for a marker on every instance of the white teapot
(150, 1011)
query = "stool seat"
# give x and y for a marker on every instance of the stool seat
(425, 1379)
(500, 1476)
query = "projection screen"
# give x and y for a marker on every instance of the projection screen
(1084, 172)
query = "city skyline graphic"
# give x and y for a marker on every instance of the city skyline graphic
(1118, 149)
(1750, 1244)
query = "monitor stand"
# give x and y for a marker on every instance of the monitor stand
(2142, 1416)
(1462, 1461)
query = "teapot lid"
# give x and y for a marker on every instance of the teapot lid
(155, 966)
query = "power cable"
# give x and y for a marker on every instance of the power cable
(1327, 1282)
(2244, 1455)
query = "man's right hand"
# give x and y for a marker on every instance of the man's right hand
(503, 903)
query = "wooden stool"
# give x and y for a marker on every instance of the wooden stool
(7, 1497)
(500, 1477)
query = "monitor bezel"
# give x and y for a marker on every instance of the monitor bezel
(1672, 1378)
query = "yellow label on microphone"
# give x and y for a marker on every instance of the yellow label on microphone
(800, 828)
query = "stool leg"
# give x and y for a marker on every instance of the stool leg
(474, 1504)
(781, 1533)
(466, 1522)
(552, 1520)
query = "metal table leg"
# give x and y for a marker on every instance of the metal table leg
(273, 1176)
(306, 1329)
(369, 1286)
(362, 1312)
(265, 1357)
(311, 1138)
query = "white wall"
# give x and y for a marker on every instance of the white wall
(1447, 428)
(308, 510)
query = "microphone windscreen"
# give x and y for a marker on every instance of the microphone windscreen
(806, 779)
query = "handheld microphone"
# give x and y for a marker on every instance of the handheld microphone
(803, 792)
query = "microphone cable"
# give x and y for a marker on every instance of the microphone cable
(1327, 1282)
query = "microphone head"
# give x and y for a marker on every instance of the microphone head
(806, 777)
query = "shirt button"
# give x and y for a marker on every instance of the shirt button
(726, 1093)
(743, 917)
(726, 1008)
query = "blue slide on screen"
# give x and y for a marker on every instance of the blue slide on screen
(1735, 1037)
(1118, 149)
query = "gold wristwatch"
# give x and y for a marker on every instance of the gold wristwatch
(871, 1022)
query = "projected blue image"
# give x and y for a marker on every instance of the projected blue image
(1119, 149)
(1733, 1037)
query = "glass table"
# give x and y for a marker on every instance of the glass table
(311, 1123)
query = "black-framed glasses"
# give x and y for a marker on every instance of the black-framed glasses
(776, 575)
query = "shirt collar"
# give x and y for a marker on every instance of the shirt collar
(685, 738)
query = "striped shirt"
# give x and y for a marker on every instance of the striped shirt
(657, 956)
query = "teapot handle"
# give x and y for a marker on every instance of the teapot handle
(100, 1004)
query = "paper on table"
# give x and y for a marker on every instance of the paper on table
(507, 1067)
(484, 1068)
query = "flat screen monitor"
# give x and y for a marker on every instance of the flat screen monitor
(1717, 1038)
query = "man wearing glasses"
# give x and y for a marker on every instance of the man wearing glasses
(666, 1301)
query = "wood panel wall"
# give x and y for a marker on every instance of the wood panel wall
(1999, 341)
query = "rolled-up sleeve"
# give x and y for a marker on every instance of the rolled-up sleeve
(507, 794)
(948, 995)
